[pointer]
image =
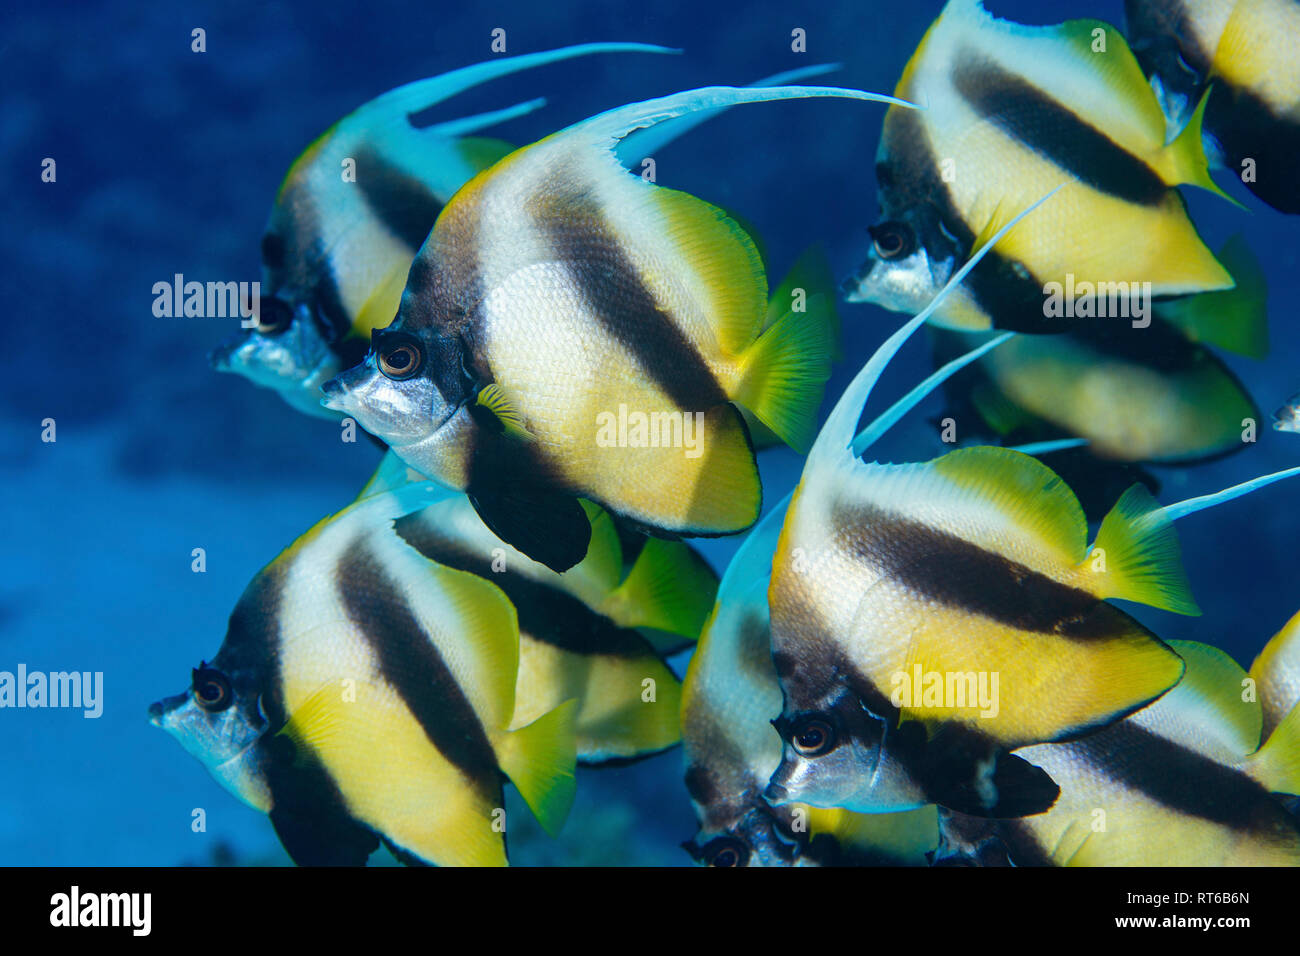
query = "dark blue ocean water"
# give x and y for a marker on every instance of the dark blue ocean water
(167, 162)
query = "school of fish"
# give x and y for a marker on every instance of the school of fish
(574, 370)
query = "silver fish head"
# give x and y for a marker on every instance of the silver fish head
(838, 756)
(407, 388)
(1287, 418)
(289, 351)
(219, 721)
(910, 259)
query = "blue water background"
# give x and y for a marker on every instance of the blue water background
(168, 161)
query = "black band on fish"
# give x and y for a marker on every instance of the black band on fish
(404, 204)
(412, 665)
(1030, 116)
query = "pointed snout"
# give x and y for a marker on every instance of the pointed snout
(219, 357)
(160, 709)
(337, 389)
(776, 794)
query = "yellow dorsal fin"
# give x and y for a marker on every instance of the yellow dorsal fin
(1029, 493)
(724, 260)
(1139, 557)
(494, 399)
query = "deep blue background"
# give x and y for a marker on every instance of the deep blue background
(168, 161)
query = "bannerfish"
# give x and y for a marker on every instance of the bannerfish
(1088, 382)
(1287, 418)
(1012, 111)
(729, 699)
(349, 217)
(365, 692)
(1183, 782)
(1243, 51)
(570, 330)
(928, 619)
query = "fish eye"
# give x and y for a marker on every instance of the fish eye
(812, 737)
(274, 316)
(892, 240)
(726, 851)
(400, 357)
(211, 688)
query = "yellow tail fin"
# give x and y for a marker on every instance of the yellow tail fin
(670, 588)
(539, 760)
(1139, 557)
(783, 374)
(1235, 319)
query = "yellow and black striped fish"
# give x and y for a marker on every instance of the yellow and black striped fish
(350, 215)
(927, 619)
(1088, 382)
(1012, 111)
(729, 698)
(365, 692)
(570, 330)
(1243, 51)
(1183, 782)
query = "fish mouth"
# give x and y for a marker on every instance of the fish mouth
(851, 287)
(338, 388)
(776, 794)
(159, 709)
(219, 357)
(333, 390)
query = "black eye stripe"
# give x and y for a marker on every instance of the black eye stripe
(400, 356)
(812, 737)
(274, 316)
(726, 851)
(892, 240)
(211, 688)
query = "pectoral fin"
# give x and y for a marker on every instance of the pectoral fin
(550, 527)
